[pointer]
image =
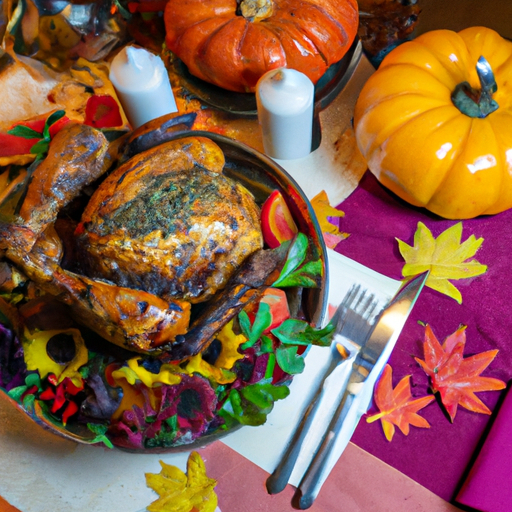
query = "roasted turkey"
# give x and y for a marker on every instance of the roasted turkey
(170, 223)
(165, 229)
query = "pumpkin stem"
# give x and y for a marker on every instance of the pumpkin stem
(255, 10)
(477, 102)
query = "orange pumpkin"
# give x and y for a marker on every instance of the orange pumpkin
(232, 43)
(434, 122)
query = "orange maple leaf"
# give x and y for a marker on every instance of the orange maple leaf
(397, 406)
(323, 210)
(454, 377)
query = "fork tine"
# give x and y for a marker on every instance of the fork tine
(345, 303)
(352, 300)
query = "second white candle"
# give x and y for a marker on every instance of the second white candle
(285, 100)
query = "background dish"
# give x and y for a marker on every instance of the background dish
(327, 88)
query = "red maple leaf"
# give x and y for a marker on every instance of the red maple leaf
(454, 377)
(397, 406)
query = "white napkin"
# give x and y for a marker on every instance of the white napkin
(264, 445)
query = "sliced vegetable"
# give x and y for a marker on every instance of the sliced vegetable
(276, 299)
(32, 136)
(102, 111)
(277, 222)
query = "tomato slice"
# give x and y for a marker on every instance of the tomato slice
(277, 222)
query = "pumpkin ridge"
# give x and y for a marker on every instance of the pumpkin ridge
(415, 65)
(499, 156)
(440, 92)
(205, 69)
(372, 146)
(342, 32)
(320, 9)
(459, 48)
(410, 119)
(389, 136)
(464, 74)
(324, 8)
(199, 47)
(286, 22)
(458, 154)
(242, 39)
(177, 41)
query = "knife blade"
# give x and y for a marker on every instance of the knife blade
(386, 330)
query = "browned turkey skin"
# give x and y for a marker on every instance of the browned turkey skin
(170, 223)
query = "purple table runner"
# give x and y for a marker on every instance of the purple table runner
(489, 483)
(439, 457)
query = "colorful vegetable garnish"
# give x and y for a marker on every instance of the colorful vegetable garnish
(278, 305)
(61, 396)
(277, 222)
(57, 352)
(102, 111)
(32, 136)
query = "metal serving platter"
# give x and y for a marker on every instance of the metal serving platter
(261, 175)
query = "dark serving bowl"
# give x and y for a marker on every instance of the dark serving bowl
(261, 175)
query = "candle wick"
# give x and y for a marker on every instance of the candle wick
(278, 76)
(135, 59)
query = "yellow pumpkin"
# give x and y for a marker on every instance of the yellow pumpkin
(434, 128)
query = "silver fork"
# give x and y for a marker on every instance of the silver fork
(351, 322)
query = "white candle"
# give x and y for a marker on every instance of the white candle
(142, 83)
(285, 100)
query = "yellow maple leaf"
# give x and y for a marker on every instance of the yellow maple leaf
(180, 492)
(323, 210)
(444, 256)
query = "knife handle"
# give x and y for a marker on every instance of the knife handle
(277, 481)
(311, 482)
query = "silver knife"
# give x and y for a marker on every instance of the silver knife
(386, 330)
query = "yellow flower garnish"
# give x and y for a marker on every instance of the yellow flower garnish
(197, 364)
(37, 357)
(230, 341)
(133, 372)
(229, 355)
